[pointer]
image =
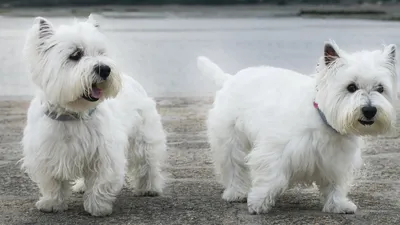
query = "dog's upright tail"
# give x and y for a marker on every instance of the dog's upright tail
(212, 71)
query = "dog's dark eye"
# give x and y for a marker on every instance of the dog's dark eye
(77, 55)
(352, 88)
(380, 89)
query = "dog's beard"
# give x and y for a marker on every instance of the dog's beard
(351, 121)
(100, 89)
(79, 92)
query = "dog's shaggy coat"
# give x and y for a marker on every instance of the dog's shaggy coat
(270, 128)
(88, 121)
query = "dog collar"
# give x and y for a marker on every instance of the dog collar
(322, 115)
(66, 116)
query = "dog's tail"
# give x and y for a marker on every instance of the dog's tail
(212, 71)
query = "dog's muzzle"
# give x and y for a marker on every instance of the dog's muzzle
(102, 71)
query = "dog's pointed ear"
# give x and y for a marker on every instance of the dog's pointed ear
(45, 28)
(390, 53)
(91, 19)
(330, 53)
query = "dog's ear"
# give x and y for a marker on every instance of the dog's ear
(330, 53)
(390, 53)
(45, 28)
(91, 19)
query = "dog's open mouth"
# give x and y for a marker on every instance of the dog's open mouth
(366, 123)
(94, 95)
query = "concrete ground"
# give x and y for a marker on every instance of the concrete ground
(193, 196)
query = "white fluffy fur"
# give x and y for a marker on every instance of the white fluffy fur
(265, 134)
(124, 135)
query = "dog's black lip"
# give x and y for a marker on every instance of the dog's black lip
(366, 123)
(90, 98)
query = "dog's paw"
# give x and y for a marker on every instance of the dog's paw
(49, 205)
(147, 193)
(98, 208)
(258, 206)
(79, 186)
(344, 207)
(231, 195)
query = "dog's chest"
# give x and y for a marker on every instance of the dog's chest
(319, 157)
(73, 148)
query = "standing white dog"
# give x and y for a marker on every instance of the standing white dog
(270, 128)
(88, 121)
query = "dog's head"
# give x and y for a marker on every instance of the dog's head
(355, 91)
(72, 64)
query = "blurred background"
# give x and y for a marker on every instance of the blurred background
(157, 41)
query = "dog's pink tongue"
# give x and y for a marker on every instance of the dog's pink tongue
(96, 92)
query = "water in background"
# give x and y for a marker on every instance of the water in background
(161, 53)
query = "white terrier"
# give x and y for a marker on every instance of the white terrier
(88, 121)
(271, 128)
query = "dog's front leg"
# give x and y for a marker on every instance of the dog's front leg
(53, 193)
(335, 196)
(103, 183)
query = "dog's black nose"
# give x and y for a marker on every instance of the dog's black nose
(369, 111)
(102, 70)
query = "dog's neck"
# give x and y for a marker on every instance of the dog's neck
(61, 114)
(322, 115)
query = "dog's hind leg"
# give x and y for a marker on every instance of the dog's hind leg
(229, 149)
(269, 177)
(147, 154)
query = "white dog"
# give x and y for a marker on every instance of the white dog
(270, 128)
(88, 121)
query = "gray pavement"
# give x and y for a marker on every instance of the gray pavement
(192, 195)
